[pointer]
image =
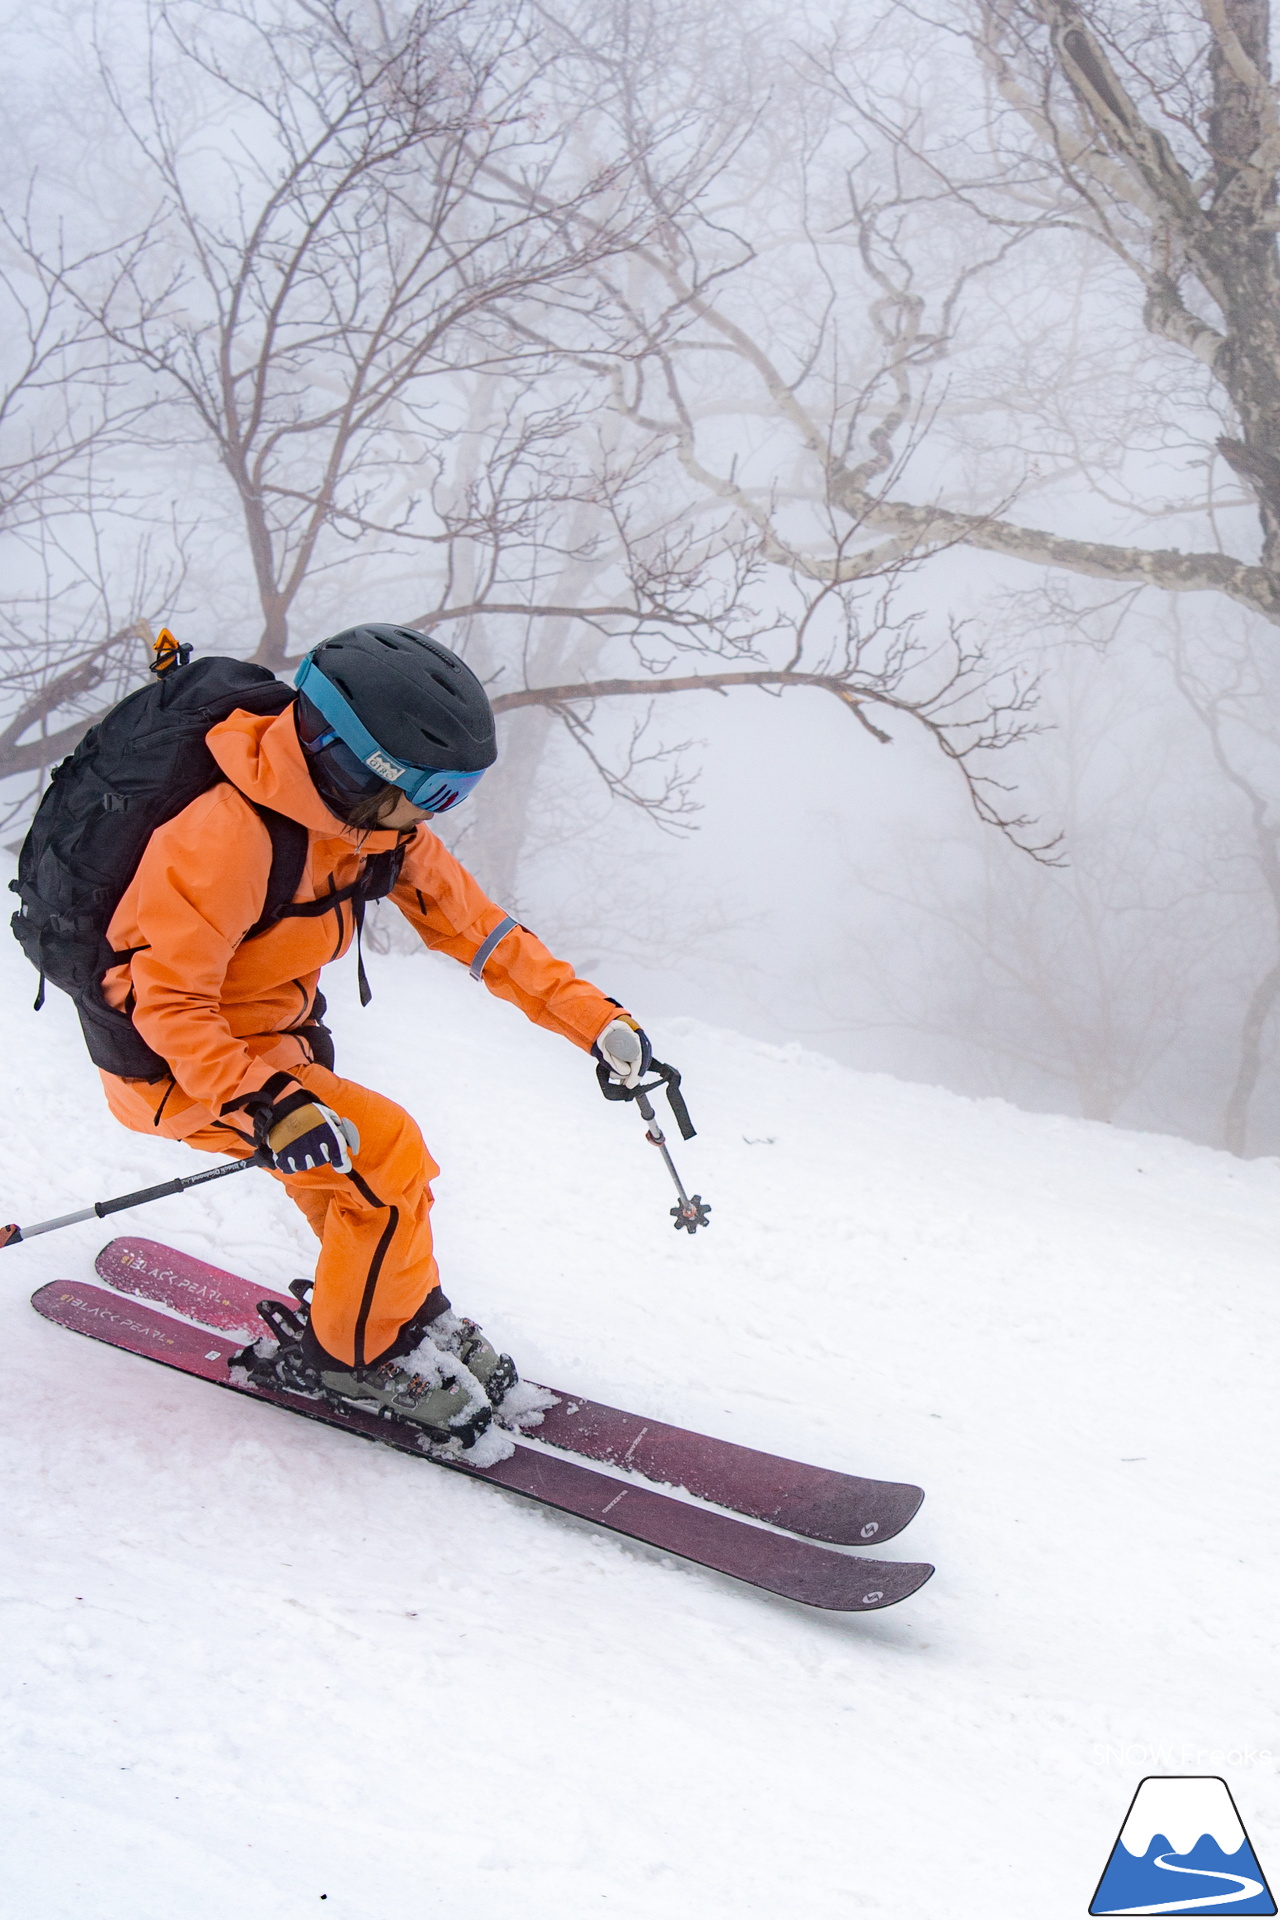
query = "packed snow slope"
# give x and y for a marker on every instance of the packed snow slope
(250, 1666)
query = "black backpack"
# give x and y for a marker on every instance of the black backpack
(141, 765)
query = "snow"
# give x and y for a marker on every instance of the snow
(250, 1666)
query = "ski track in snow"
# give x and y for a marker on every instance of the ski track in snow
(247, 1662)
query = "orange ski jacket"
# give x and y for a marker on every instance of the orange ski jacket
(223, 1011)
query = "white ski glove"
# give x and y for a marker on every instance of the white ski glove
(625, 1050)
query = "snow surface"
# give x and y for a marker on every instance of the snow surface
(250, 1665)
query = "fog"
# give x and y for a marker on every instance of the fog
(911, 380)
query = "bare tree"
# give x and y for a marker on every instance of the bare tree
(1232, 692)
(913, 322)
(916, 234)
(1156, 134)
(405, 213)
(313, 305)
(872, 660)
(70, 609)
(1093, 984)
(1151, 133)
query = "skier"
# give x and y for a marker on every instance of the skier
(388, 729)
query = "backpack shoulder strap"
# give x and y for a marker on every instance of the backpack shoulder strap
(381, 872)
(289, 842)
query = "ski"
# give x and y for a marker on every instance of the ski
(818, 1502)
(794, 1569)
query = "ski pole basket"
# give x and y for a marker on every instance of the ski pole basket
(691, 1211)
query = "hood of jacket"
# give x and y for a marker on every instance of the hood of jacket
(263, 757)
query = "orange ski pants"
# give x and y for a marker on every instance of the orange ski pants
(376, 1266)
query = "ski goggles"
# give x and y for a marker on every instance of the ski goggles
(437, 789)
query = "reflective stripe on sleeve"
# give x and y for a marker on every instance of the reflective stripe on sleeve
(486, 947)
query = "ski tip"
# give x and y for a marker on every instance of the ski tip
(890, 1582)
(909, 1501)
(848, 1513)
(895, 1507)
(47, 1298)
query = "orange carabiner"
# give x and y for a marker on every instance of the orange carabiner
(169, 652)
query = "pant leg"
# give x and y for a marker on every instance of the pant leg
(376, 1265)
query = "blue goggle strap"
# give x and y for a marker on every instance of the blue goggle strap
(431, 787)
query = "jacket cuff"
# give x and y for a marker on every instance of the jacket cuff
(263, 1104)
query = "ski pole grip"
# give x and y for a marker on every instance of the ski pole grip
(612, 1089)
(122, 1200)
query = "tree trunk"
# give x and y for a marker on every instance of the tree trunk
(504, 800)
(1235, 1128)
(273, 648)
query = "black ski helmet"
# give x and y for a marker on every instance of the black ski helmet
(382, 705)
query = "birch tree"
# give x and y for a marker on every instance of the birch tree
(951, 242)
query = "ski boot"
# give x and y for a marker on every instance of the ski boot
(430, 1387)
(439, 1396)
(452, 1333)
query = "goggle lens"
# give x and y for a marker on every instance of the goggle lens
(438, 792)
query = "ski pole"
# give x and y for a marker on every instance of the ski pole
(10, 1236)
(692, 1211)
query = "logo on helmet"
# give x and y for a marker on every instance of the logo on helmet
(381, 765)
